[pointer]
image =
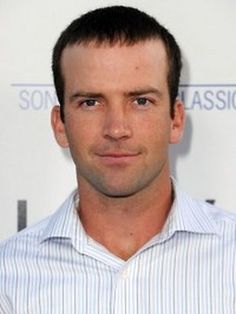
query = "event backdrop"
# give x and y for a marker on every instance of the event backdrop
(36, 175)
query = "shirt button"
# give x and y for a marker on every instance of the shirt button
(125, 274)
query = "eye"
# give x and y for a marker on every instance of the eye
(88, 102)
(142, 101)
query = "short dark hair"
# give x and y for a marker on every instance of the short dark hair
(115, 24)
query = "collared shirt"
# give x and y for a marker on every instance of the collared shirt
(188, 268)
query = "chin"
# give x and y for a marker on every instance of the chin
(118, 192)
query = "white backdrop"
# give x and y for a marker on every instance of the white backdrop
(35, 169)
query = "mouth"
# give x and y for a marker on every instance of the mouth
(118, 158)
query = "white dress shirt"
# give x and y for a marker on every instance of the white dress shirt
(54, 267)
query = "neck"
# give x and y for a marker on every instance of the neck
(124, 225)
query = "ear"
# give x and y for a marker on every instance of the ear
(58, 127)
(177, 123)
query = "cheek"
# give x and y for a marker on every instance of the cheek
(155, 129)
(81, 135)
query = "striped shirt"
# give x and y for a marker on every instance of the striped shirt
(54, 267)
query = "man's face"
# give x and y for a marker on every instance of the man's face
(117, 115)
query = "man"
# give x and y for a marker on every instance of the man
(127, 240)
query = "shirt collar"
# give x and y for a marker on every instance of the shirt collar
(190, 215)
(65, 224)
(186, 214)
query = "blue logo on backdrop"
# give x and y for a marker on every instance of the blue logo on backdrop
(206, 97)
(35, 96)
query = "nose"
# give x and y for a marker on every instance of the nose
(116, 124)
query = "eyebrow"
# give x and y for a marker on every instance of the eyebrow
(85, 94)
(144, 91)
(136, 92)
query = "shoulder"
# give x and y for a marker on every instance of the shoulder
(28, 238)
(217, 213)
(201, 217)
(224, 221)
(24, 246)
(18, 255)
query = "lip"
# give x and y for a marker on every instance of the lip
(118, 158)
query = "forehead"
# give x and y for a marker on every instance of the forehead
(153, 50)
(144, 61)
